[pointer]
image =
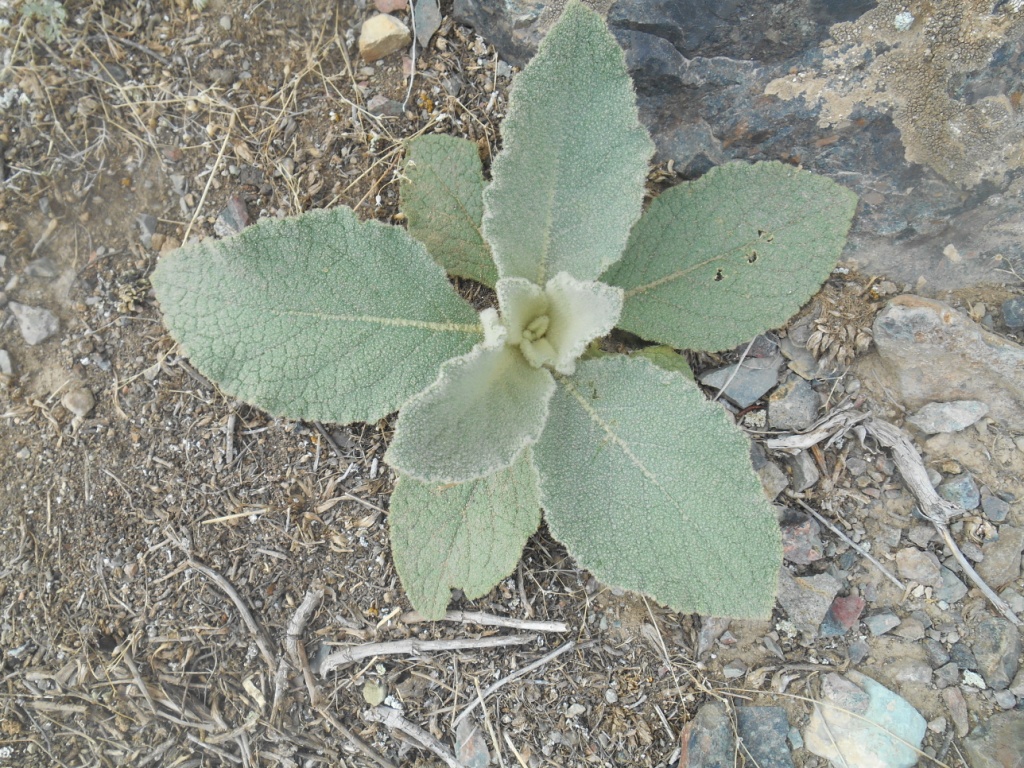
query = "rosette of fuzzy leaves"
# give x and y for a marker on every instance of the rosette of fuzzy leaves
(647, 483)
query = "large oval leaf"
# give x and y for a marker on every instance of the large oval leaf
(650, 488)
(483, 410)
(319, 317)
(442, 196)
(569, 182)
(716, 261)
(468, 536)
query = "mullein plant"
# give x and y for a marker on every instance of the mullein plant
(513, 411)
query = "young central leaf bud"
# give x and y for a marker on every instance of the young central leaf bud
(536, 328)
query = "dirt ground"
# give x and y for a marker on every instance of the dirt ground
(155, 549)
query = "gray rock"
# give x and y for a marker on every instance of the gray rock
(963, 656)
(707, 740)
(948, 417)
(880, 623)
(35, 323)
(1013, 313)
(805, 471)
(806, 599)
(43, 267)
(793, 406)
(5, 363)
(1014, 599)
(920, 567)
(773, 479)
(147, 228)
(946, 675)
(1002, 558)
(1004, 699)
(717, 82)
(471, 745)
(1017, 686)
(952, 588)
(911, 628)
(911, 671)
(996, 743)
(711, 628)
(385, 107)
(997, 648)
(936, 651)
(962, 490)
(427, 20)
(734, 670)
(752, 379)
(932, 352)
(801, 539)
(764, 731)
(233, 219)
(995, 509)
(858, 726)
(957, 706)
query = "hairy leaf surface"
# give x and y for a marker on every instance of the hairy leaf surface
(650, 488)
(482, 411)
(468, 536)
(667, 359)
(716, 261)
(569, 182)
(442, 196)
(320, 317)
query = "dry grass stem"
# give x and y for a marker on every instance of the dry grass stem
(415, 648)
(490, 620)
(546, 659)
(262, 640)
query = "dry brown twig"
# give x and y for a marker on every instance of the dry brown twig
(296, 650)
(490, 620)
(519, 673)
(262, 640)
(415, 648)
(393, 719)
(935, 508)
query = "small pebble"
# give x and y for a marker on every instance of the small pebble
(1004, 699)
(995, 509)
(225, 23)
(961, 490)
(880, 623)
(5, 363)
(36, 324)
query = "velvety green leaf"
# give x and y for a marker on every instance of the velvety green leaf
(667, 359)
(467, 536)
(716, 261)
(569, 181)
(442, 196)
(482, 411)
(649, 486)
(320, 317)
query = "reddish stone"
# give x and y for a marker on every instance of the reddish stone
(842, 615)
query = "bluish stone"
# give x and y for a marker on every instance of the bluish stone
(764, 731)
(881, 623)
(1013, 313)
(961, 490)
(995, 509)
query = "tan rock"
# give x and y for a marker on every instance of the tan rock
(381, 35)
(933, 353)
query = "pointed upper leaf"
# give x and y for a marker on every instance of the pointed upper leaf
(719, 260)
(569, 182)
(467, 536)
(442, 196)
(650, 487)
(482, 411)
(319, 317)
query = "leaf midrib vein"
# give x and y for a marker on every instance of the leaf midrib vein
(394, 322)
